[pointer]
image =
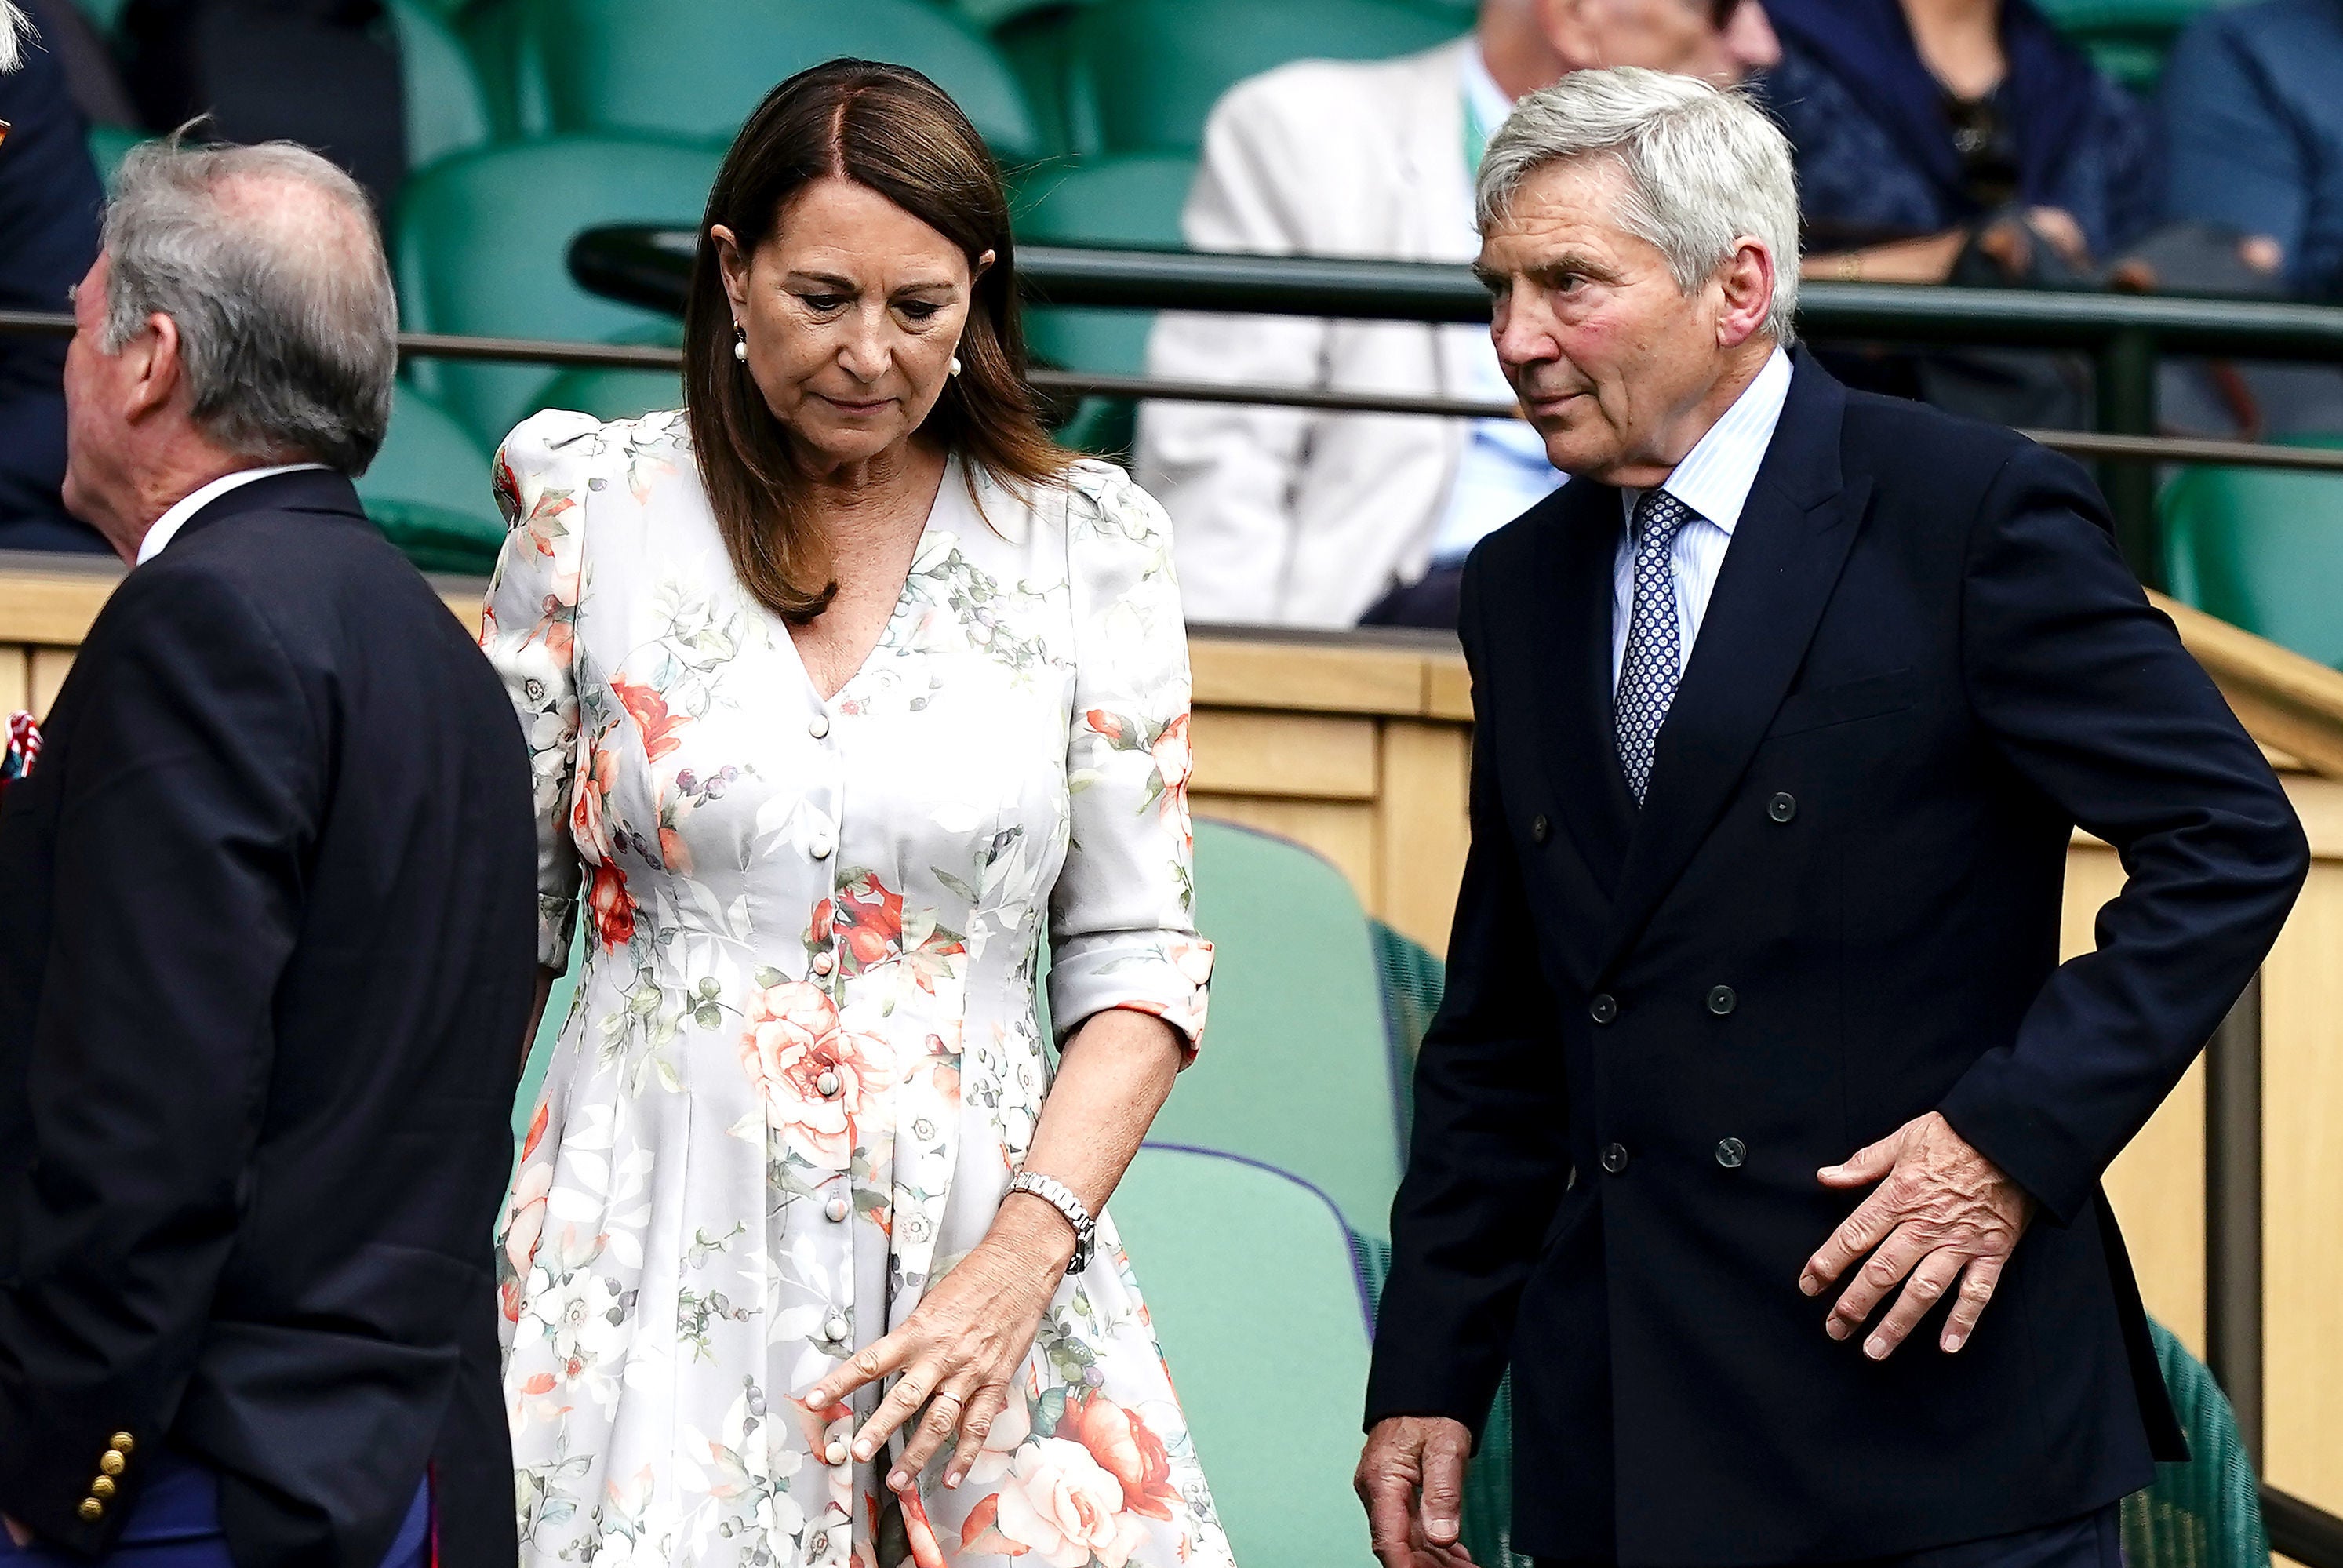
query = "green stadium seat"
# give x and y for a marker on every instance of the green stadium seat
(105, 16)
(701, 69)
(1145, 74)
(557, 1003)
(2128, 39)
(108, 145)
(613, 393)
(481, 246)
(1251, 1293)
(1295, 1070)
(1131, 200)
(429, 489)
(446, 112)
(2207, 1513)
(2262, 548)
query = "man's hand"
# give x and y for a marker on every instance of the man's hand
(1410, 1457)
(1943, 1214)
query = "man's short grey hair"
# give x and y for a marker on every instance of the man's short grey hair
(1705, 167)
(268, 260)
(16, 31)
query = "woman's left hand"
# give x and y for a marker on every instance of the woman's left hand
(959, 1352)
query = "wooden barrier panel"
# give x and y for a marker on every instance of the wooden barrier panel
(1357, 745)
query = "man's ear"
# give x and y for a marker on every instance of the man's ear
(155, 369)
(1745, 282)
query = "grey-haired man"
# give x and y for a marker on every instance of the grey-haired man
(1761, 1127)
(265, 942)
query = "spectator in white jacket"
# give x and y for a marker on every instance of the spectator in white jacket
(1292, 517)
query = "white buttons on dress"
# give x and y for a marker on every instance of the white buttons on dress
(822, 845)
(835, 1330)
(836, 1452)
(823, 963)
(820, 726)
(828, 1085)
(837, 1209)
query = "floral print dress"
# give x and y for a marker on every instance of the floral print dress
(803, 1062)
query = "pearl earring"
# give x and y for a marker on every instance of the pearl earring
(955, 365)
(740, 343)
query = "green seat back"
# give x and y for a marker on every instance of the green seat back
(1146, 73)
(557, 1003)
(702, 68)
(1251, 1292)
(1296, 1069)
(108, 145)
(2128, 39)
(2207, 1513)
(482, 247)
(2261, 548)
(1129, 200)
(614, 394)
(429, 489)
(446, 110)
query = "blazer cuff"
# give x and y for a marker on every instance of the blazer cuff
(1420, 1385)
(2010, 1129)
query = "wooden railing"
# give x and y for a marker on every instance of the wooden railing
(1356, 745)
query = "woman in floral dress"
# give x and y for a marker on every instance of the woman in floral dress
(836, 688)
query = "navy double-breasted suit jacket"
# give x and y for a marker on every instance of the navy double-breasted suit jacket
(1922, 665)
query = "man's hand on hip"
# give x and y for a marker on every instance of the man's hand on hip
(1942, 1213)
(1408, 1456)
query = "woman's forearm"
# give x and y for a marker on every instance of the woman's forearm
(1113, 1076)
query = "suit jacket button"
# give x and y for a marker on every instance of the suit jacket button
(110, 1462)
(1721, 999)
(124, 1442)
(1539, 829)
(102, 1487)
(1731, 1153)
(90, 1510)
(1781, 806)
(1604, 1008)
(1614, 1158)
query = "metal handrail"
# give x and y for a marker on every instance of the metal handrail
(1071, 384)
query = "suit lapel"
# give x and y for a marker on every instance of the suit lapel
(1579, 544)
(1779, 571)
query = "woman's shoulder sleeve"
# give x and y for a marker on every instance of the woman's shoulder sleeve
(547, 450)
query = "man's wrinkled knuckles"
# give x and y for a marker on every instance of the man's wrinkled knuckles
(865, 1361)
(939, 1424)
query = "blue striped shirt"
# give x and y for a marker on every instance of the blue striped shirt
(1713, 480)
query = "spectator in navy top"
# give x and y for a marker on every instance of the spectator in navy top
(1924, 127)
(2253, 109)
(49, 196)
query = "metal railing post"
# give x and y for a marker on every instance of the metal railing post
(2233, 1213)
(2126, 378)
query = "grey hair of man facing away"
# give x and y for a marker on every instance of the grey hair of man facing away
(1640, 240)
(15, 28)
(240, 314)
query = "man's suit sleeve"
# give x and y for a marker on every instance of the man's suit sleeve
(191, 791)
(1227, 473)
(1490, 1155)
(2089, 696)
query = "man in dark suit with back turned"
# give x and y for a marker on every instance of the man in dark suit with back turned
(265, 942)
(1757, 1063)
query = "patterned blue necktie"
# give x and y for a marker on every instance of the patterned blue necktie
(1654, 659)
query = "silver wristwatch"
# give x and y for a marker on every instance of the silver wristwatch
(1061, 1197)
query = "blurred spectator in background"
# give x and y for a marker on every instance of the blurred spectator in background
(49, 196)
(1965, 142)
(2253, 110)
(1294, 517)
(1918, 123)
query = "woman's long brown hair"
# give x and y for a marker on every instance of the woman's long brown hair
(891, 129)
